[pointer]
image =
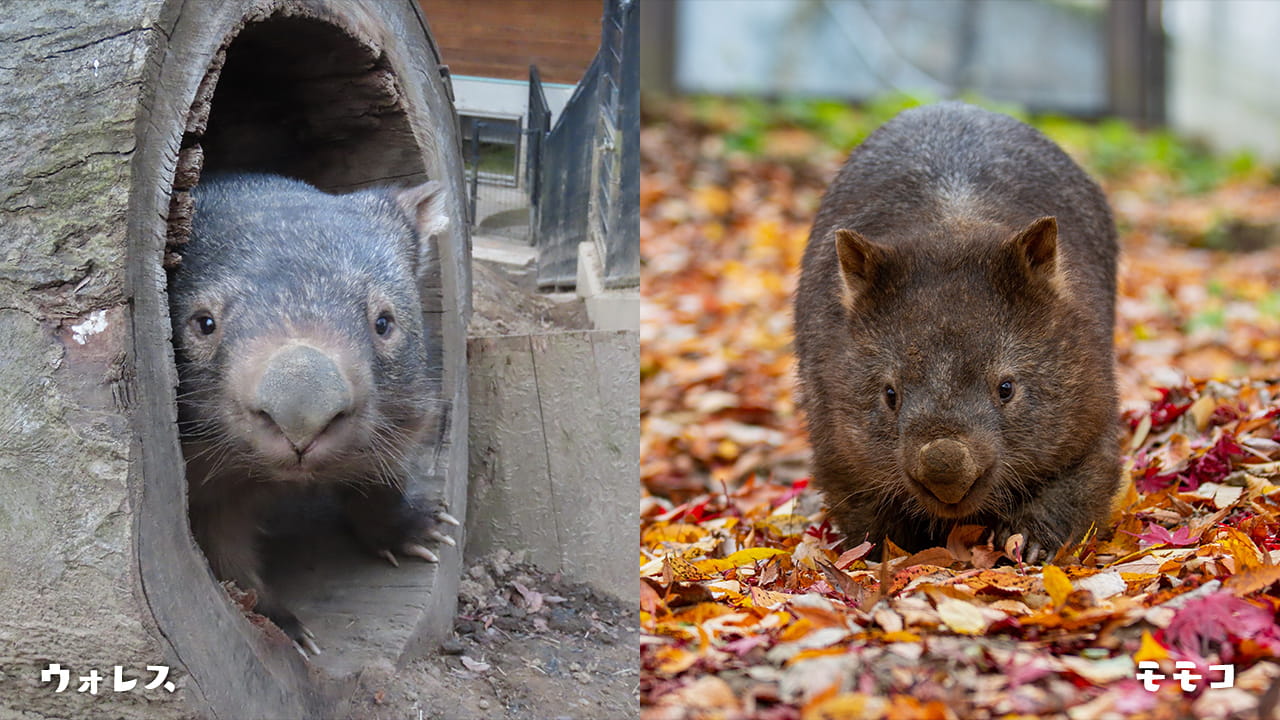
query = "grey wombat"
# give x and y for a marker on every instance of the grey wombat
(302, 359)
(954, 327)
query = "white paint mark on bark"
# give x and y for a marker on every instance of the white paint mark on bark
(96, 323)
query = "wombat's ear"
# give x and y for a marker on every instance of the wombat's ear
(1037, 246)
(860, 261)
(425, 206)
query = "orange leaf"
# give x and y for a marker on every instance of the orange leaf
(846, 706)
(675, 532)
(677, 569)
(700, 613)
(1253, 579)
(673, 660)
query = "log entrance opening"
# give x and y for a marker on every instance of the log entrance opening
(309, 91)
(298, 96)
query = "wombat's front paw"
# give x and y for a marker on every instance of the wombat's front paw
(283, 617)
(411, 543)
(1039, 544)
(389, 523)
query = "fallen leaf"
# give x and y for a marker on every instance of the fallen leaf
(1057, 585)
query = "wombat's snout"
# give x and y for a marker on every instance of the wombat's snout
(947, 468)
(302, 392)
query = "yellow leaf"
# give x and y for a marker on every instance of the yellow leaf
(675, 532)
(795, 630)
(1240, 547)
(768, 598)
(961, 616)
(1150, 649)
(753, 554)
(728, 450)
(900, 636)
(682, 570)
(1056, 584)
(786, 525)
(1202, 410)
(712, 199)
(740, 558)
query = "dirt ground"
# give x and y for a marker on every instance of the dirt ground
(526, 646)
(505, 301)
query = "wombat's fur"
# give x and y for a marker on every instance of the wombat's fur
(954, 335)
(302, 359)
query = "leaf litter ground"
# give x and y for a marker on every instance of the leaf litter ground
(751, 608)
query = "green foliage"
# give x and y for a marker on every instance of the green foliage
(1112, 149)
(1213, 317)
(1269, 304)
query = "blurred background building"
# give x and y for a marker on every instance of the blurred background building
(548, 98)
(1207, 68)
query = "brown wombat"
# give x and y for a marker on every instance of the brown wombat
(303, 360)
(954, 324)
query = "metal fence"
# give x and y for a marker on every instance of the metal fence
(493, 154)
(587, 166)
(539, 120)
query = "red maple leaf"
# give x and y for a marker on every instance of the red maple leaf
(796, 488)
(1158, 535)
(1164, 412)
(1207, 623)
(1212, 466)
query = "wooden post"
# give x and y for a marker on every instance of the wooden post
(1135, 61)
(555, 448)
(109, 113)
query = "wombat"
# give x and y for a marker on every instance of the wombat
(953, 324)
(302, 361)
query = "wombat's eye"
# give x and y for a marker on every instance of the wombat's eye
(204, 323)
(891, 397)
(382, 325)
(1006, 390)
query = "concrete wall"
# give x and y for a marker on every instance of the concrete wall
(1224, 71)
(494, 97)
(1043, 54)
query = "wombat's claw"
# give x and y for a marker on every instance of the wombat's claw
(437, 535)
(413, 550)
(448, 519)
(417, 550)
(1033, 552)
(307, 643)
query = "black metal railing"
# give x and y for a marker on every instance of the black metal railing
(539, 124)
(587, 185)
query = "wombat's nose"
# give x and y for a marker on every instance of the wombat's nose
(947, 469)
(302, 392)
